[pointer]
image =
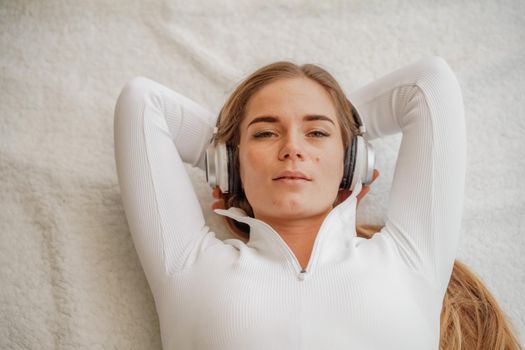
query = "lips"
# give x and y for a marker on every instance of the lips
(292, 175)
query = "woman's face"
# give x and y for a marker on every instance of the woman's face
(291, 125)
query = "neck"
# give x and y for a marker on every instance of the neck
(299, 234)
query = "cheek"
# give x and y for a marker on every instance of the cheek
(250, 163)
(333, 167)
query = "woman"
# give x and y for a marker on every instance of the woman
(304, 279)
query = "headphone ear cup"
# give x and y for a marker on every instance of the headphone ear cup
(349, 164)
(233, 181)
(217, 167)
(365, 160)
(221, 168)
(359, 159)
(211, 165)
(346, 160)
(364, 163)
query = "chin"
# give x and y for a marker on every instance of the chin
(294, 208)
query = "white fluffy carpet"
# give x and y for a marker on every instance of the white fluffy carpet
(69, 274)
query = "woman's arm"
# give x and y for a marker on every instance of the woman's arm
(423, 100)
(156, 130)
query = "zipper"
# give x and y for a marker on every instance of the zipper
(299, 271)
(302, 275)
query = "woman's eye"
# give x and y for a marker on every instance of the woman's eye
(317, 133)
(266, 134)
(262, 134)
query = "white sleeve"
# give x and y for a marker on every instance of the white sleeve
(157, 129)
(423, 100)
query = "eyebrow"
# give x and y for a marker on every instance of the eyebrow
(274, 119)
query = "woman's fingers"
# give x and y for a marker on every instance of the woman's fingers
(216, 193)
(363, 193)
(376, 174)
(218, 205)
(374, 177)
(366, 188)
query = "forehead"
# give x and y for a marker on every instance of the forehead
(290, 98)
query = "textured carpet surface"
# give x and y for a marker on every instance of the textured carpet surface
(69, 274)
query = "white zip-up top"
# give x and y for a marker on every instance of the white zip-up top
(380, 293)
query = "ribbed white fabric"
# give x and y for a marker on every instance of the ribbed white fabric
(381, 293)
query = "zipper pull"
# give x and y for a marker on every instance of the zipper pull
(302, 275)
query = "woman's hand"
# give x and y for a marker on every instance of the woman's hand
(343, 194)
(217, 194)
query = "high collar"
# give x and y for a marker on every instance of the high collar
(337, 229)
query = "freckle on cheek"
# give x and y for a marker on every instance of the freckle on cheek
(317, 159)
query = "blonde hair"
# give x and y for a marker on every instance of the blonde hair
(470, 317)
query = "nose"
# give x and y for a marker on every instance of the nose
(291, 149)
